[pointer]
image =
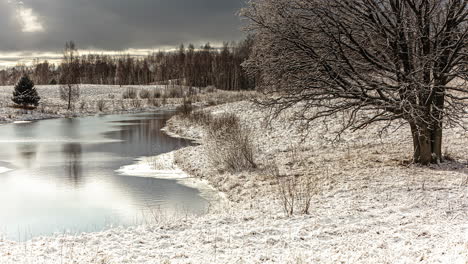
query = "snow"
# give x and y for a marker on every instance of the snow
(164, 167)
(51, 106)
(3, 170)
(22, 122)
(370, 206)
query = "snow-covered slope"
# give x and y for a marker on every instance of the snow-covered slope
(370, 207)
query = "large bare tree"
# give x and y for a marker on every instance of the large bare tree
(376, 60)
(70, 75)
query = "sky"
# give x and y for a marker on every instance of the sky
(39, 28)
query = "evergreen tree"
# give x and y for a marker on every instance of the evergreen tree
(25, 94)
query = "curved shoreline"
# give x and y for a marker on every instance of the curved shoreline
(163, 167)
(33, 118)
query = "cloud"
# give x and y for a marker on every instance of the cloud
(45, 25)
(30, 22)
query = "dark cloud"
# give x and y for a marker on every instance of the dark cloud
(120, 24)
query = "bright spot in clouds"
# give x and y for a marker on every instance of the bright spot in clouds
(29, 21)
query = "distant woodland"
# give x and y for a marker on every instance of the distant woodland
(190, 66)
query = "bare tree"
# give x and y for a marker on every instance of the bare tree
(375, 60)
(70, 75)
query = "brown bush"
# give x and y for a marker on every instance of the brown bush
(101, 105)
(130, 93)
(144, 94)
(174, 92)
(186, 108)
(229, 144)
(295, 191)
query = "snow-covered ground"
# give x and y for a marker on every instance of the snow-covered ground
(369, 206)
(109, 96)
(163, 167)
(51, 106)
(3, 169)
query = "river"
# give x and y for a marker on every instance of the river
(59, 175)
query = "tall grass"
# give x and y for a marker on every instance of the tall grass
(229, 144)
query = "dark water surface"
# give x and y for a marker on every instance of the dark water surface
(63, 175)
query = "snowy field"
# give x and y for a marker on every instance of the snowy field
(369, 206)
(109, 99)
(51, 106)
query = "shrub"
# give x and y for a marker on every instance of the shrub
(144, 94)
(135, 103)
(202, 118)
(186, 108)
(25, 94)
(154, 102)
(229, 144)
(101, 105)
(130, 93)
(122, 105)
(175, 92)
(156, 93)
(210, 89)
(295, 191)
(82, 105)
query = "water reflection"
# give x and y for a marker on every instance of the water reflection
(27, 154)
(64, 177)
(72, 153)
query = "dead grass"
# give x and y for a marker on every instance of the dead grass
(229, 144)
(144, 94)
(130, 93)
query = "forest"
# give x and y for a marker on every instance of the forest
(190, 66)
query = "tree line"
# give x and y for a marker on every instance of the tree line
(190, 66)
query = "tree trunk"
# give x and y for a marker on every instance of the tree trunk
(422, 144)
(436, 136)
(436, 141)
(416, 149)
(69, 96)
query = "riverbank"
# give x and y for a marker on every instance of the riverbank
(368, 206)
(51, 106)
(108, 99)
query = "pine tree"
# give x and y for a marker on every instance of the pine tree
(25, 94)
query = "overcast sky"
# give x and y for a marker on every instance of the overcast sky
(32, 27)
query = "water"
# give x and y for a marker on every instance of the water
(63, 175)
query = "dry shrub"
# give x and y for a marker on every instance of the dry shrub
(135, 103)
(144, 94)
(174, 92)
(229, 144)
(295, 191)
(101, 105)
(186, 108)
(200, 117)
(130, 93)
(122, 105)
(222, 97)
(210, 89)
(154, 102)
(48, 108)
(156, 93)
(82, 106)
